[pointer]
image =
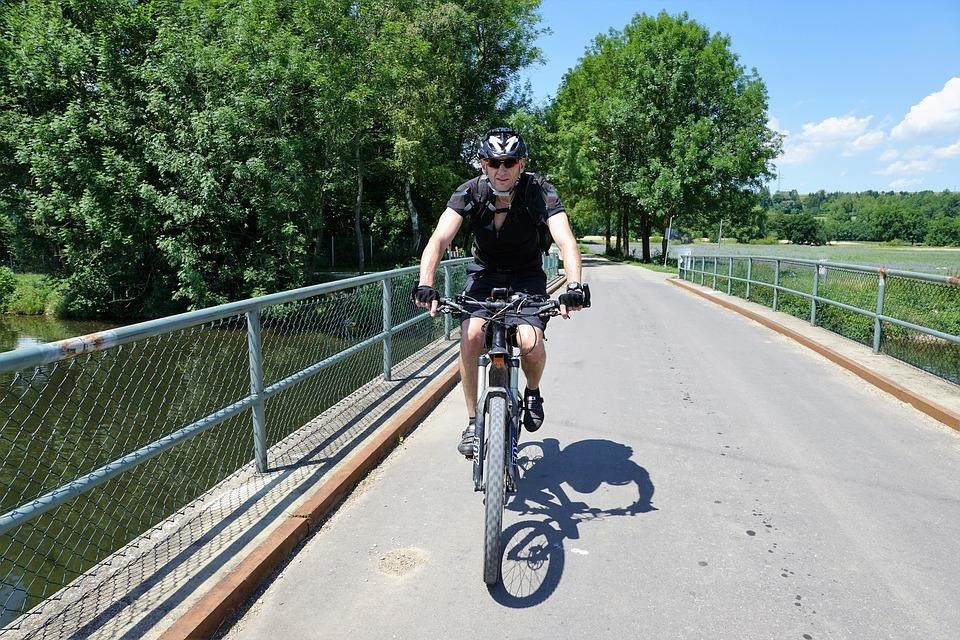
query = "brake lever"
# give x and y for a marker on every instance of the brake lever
(552, 308)
(449, 306)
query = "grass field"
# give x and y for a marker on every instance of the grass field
(939, 260)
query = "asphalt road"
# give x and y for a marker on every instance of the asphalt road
(699, 476)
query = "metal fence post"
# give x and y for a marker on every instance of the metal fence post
(387, 328)
(749, 275)
(813, 299)
(776, 284)
(729, 274)
(876, 320)
(447, 292)
(255, 349)
(714, 272)
(703, 269)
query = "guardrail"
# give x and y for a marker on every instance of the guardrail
(104, 436)
(914, 317)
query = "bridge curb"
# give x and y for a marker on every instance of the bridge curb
(928, 407)
(205, 617)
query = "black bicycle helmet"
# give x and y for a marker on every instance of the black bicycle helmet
(502, 142)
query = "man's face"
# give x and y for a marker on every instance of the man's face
(502, 176)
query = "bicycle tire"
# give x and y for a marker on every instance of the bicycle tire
(496, 481)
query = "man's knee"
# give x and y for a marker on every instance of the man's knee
(530, 340)
(471, 337)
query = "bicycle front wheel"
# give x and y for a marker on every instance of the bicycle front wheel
(496, 459)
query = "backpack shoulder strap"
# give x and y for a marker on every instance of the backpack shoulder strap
(533, 201)
(537, 210)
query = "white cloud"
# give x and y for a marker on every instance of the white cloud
(796, 153)
(774, 124)
(947, 152)
(938, 112)
(906, 168)
(864, 143)
(906, 183)
(835, 129)
(828, 133)
(890, 155)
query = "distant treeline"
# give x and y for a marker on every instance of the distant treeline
(924, 217)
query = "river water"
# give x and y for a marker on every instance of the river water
(23, 331)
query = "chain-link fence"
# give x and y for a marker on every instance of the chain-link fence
(914, 317)
(107, 435)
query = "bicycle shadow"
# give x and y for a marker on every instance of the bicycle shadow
(533, 549)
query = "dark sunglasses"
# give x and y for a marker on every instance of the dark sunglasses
(509, 163)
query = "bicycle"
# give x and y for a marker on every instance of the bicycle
(498, 406)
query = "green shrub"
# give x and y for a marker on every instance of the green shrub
(56, 297)
(769, 239)
(8, 282)
(34, 295)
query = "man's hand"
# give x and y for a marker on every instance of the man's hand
(573, 300)
(426, 297)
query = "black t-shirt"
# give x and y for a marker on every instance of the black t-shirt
(516, 246)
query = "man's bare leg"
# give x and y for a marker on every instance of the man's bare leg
(471, 346)
(533, 354)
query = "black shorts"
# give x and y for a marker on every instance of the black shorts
(481, 282)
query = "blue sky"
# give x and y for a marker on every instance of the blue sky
(867, 94)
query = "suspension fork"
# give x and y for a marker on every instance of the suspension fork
(513, 404)
(479, 427)
(491, 381)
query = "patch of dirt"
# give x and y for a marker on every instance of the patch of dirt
(400, 562)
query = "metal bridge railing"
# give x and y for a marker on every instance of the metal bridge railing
(914, 317)
(105, 436)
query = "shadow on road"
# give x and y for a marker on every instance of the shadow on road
(533, 556)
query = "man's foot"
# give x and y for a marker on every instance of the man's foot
(532, 410)
(467, 439)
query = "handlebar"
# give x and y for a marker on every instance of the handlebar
(536, 305)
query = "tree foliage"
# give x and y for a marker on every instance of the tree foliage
(660, 121)
(163, 154)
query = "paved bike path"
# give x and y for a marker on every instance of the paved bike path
(698, 476)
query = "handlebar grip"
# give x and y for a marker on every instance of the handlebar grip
(586, 295)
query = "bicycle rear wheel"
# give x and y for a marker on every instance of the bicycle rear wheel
(496, 479)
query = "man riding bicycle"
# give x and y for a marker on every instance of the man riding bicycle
(507, 208)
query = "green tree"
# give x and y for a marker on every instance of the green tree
(675, 127)
(803, 228)
(944, 232)
(74, 126)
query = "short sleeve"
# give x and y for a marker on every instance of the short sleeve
(462, 200)
(551, 200)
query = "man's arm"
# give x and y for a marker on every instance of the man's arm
(442, 236)
(569, 249)
(562, 234)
